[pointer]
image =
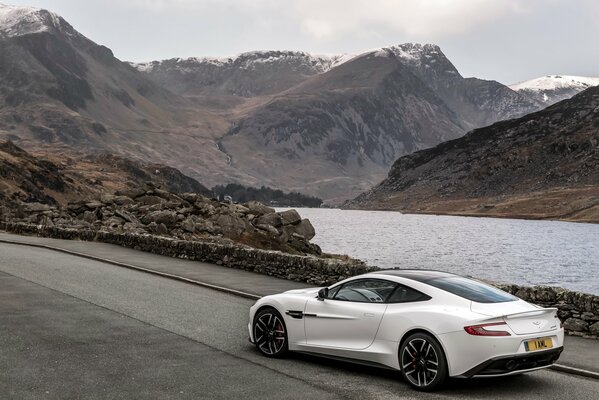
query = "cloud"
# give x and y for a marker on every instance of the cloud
(416, 18)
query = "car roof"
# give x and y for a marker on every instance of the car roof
(419, 275)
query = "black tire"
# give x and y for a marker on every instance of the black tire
(422, 362)
(270, 333)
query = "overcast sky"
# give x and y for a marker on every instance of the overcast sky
(505, 40)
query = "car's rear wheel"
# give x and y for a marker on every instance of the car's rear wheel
(270, 333)
(422, 361)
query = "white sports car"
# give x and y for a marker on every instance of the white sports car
(427, 324)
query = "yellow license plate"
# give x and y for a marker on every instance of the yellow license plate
(538, 344)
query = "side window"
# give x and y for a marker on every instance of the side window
(404, 294)
(333, 291)
(365, 291)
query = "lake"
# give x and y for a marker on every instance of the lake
(507, 250)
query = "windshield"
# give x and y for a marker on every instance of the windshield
(471, 289)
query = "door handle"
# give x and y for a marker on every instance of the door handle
(367, 314)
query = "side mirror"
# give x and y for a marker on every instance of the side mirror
(323, 293)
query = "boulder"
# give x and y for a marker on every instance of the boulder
(575, 324)
(149, 200)
(166, 217)
(273, 219)
(132, 193)
(118, 200)
(188, 225)
(89, 216)
(290, 217)
(230, 225)
(258, 208)
(127, 216)
(268, 228)
(36, 207)
(305, 229)
(594, 329)
(92, 205)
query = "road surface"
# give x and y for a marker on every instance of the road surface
(76, 328)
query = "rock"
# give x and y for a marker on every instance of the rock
(119, 200)
(36, 207)
(149, 200)
(127, 216)
(90, 216)
(268, 228)
(258, 208)
(273, 219)
(575, 324)
(238, 208)
(230, 225)
(166, 217)
(190, 197)
(132, 193)
(594, 329)
(92, 205)
(188, 225)
(305, 229)
(290, 217)
(161, 229)
(204, 226)
(206, 209)
(123, 200)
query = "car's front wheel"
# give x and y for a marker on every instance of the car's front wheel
(422, 361)
(270, 333)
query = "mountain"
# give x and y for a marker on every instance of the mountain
(327, 126)
(332, 125)
(247, 75)
(337, 132)
(59, 88)
(551, 89)
(543, 165)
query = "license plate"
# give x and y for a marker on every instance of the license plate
(538, 344)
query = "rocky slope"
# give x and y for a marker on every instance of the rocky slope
(53, 178)
(543, 165)
(59, 88)
(187, 216)
(551, 89)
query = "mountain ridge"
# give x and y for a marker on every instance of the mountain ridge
(542, 165)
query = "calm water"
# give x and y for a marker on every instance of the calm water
(516, 251)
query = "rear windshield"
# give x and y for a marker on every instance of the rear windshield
(471, 289)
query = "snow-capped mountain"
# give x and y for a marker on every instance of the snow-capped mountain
(551, 89)
(246, 74)
(20, 21)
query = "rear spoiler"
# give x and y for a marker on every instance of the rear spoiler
(539, 311)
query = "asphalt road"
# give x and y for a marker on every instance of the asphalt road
(75, 328)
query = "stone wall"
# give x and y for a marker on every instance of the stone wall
(318, 271)
(579, 312)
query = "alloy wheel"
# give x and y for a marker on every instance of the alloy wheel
(269, 333)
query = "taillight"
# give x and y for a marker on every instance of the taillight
(479, 330)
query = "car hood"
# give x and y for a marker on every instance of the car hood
(308, 291)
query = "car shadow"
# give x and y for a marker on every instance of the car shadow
(507, 386)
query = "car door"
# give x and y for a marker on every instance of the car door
(350, 317)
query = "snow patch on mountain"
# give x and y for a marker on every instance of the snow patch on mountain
(19, 21)
(553, 82)
(553, 88)
(248, 60)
